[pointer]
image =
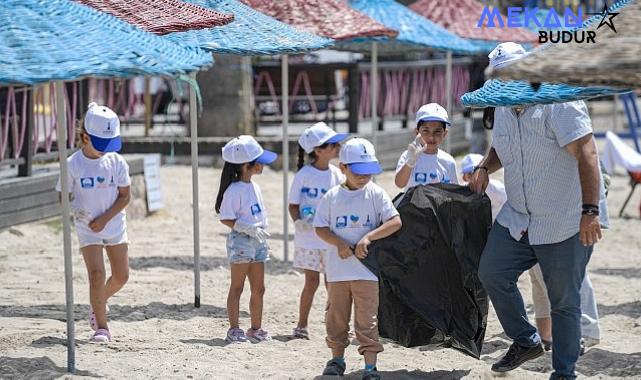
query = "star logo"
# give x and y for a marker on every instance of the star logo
(607, 18)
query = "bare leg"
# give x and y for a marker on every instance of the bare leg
(256, 275)
(312, 280)
(238, 274)
(544, 325)
(96, 272)
(119, 261)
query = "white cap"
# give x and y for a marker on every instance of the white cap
(103, 127)
(469, 162)
(432, 112)
(317, 135)
(505, 53)
(360, 156)
(245, 148)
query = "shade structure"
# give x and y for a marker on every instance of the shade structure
(416, 33)
(161, 16)
(329, 18)
(499, 93)
(461, 17)
(614, 59)
(251, 33)
(44, 40)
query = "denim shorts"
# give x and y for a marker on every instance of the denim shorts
(242, 249)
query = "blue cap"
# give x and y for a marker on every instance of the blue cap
(365, 168)
(267, 157)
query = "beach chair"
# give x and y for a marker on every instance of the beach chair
(634, 124)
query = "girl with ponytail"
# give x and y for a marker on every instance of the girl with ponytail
(321, 144)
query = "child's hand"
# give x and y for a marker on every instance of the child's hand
(98, 224)
(361, 247)
(414, 149)
(344, 250)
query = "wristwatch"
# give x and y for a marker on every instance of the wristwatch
(481, 167)
(590, 210)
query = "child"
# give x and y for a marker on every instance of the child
(99, 192)
(423, 162)
(311, 182)
(350, 217)
(495, 189)
(241, 208)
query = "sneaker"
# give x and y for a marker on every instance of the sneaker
(101, 336)
(371, 375)
(334, 367)
(300, 333)
(547, 344)
(236, 335)
(517, 355)
(257, 336)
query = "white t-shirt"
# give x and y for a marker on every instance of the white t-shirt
(430, 168)
(243, 201)
(308, 187)
(94, 184)
(350, 215)
(496, 192)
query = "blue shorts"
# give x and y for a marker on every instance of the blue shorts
(242, 249)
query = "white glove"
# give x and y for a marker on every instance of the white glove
(303, 225)
(256, 232)
(414, 149)
(81, 215)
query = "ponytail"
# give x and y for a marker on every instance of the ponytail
(231, 173)
(301, 157)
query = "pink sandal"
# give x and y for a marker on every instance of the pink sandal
(101, 336)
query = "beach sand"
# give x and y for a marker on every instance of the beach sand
(159, 334)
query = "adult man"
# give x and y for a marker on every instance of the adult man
(551, 217)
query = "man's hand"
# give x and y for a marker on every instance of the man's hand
(98, 224)
(361, 247)
(344, 250)
(589, 230)
(479, 181)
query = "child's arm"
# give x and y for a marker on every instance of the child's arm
(294, 211)
(403, 176)
(344, 249)
(384, 230)
(124, 196)
(229, 223)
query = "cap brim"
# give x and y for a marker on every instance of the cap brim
(433, 118)
(337, 138)
(267, 157)
(467, 169)
(106, 145)
(366, 168)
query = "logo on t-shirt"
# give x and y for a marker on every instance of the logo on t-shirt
(312, 192)
(86, 182)
(112, 183)
(255, 209)
(368, 223)
(420, 177)
(341, 221)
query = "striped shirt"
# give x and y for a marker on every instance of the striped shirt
(541, 177)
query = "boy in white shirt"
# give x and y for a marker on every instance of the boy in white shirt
(423, 162)
(495, 189)
(349, 217)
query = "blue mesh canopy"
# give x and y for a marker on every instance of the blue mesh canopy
(251, 33)
(499, 93)
(415, 31)
(44, 40)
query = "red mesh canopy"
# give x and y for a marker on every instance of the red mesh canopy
(461, 16)
(328, 18)
(161, 16)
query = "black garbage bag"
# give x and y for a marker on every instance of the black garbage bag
(430, 292)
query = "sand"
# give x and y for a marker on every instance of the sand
(159, 334)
